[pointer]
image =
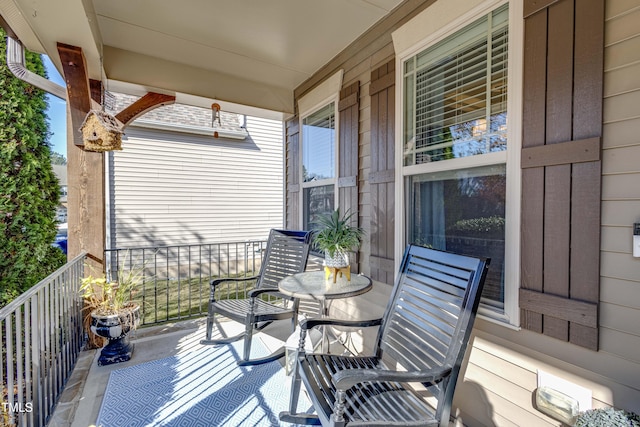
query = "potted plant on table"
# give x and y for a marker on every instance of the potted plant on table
(336, 237)
(111, 314)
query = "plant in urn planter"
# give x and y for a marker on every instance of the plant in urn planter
(110, 312)
(336, 236)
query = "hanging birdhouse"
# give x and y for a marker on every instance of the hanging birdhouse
(101, 132)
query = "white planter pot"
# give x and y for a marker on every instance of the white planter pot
(338, 260)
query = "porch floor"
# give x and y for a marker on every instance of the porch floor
(81, 400)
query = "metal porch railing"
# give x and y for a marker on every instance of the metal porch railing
(175, 282)
(42, 335)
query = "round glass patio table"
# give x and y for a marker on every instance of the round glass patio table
(314, 285)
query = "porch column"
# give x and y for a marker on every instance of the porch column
(85, 170)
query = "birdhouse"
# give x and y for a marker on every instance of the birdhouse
(101, 132)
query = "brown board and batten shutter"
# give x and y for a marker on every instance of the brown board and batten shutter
(348, 158)
(561, 168)
(382, 177)
(293, 174)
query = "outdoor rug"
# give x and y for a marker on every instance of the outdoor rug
(204, 387)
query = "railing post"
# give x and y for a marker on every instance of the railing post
(9, 346)
(19, 366)
(46, 347)
(27, 359)
(35, 358)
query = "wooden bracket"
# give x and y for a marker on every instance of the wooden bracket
(145, 104)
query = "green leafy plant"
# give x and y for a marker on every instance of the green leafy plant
(109, 297)
(607, 417)
(106, 298)
(336, 234)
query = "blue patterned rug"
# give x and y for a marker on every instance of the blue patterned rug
(201, 388)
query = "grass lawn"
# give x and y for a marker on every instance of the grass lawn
(168, 300)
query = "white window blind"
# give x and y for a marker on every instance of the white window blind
(456, 94)
(318, 144)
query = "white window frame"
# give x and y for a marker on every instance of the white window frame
(412, 39)
(321, 96)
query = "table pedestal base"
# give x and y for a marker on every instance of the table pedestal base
(337, 270)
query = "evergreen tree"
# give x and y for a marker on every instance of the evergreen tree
(29, 189)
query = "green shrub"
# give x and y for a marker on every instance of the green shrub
(29, 189)
(474, 226)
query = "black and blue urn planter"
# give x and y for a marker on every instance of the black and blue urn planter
(115, 328)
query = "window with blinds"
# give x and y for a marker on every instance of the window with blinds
(456, 94)
(455, 106)
(318, 164)
(319, 144)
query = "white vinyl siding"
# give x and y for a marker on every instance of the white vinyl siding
(169, 188)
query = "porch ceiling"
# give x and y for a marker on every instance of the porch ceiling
(250, 52)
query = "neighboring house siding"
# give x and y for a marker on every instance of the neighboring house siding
(61, 173)
(501, 376)
(170, 188)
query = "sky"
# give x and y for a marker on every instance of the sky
(57, 112)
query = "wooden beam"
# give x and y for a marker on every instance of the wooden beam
(85, 170)
(95, 87)
(74, 68)
(147, 103)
